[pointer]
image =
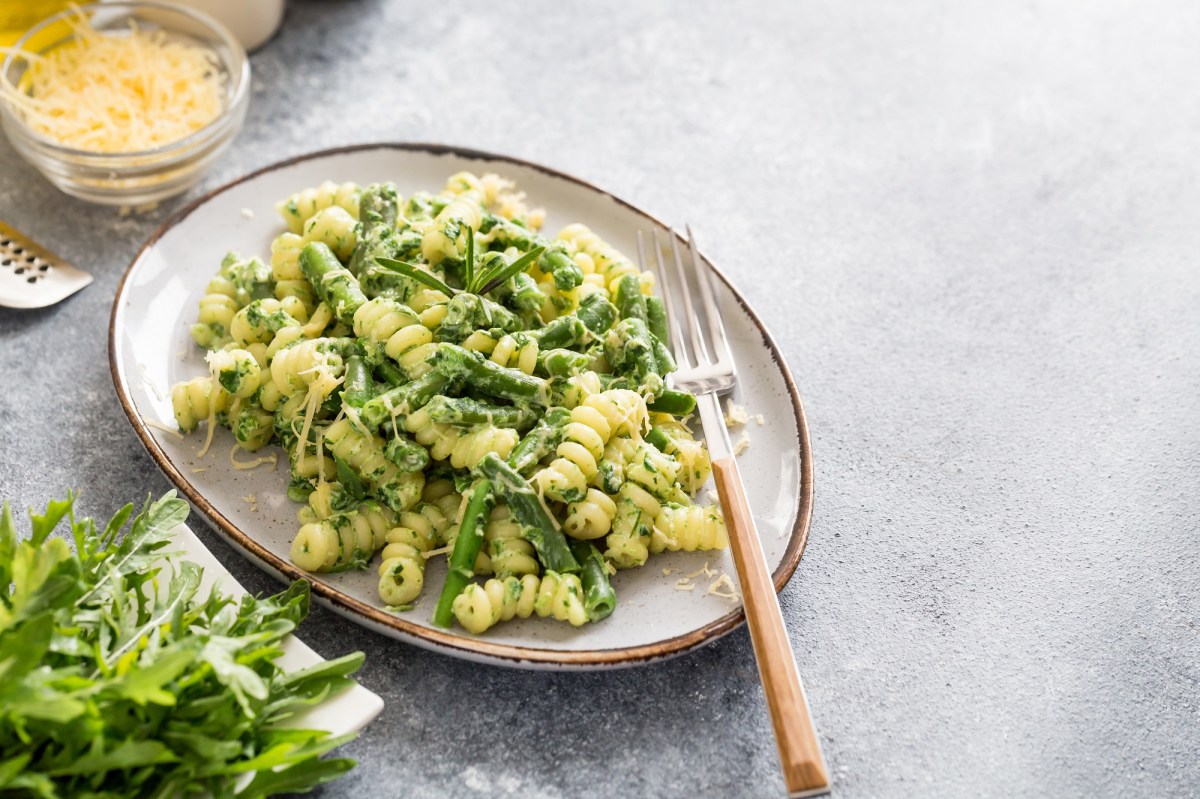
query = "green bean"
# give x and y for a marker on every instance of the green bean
(656, 318)
(333, 282)
(629, 348)
(563, 363)
(567, 274)
(537, 526)
(599, 598)
(378, 206)
(466, 550)
(658, 438)
(526, 296)
(488, 377)
(390, 373)
(403, 399)
(466, 313)
(467, 411)
(539, 442)
(597, 313)
(662, 356)
(358, 386)
(565, 331)
(631, 303)
(676, 403)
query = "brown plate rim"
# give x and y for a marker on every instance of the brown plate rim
(448, 642)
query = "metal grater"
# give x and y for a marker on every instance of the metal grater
(31, 276)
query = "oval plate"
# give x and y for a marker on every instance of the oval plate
(150, 350)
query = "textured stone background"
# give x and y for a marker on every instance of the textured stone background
(972, 226)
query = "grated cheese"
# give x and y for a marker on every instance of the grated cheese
(199, 469)
(246, 212)
(668, 572)
(250, 499)
(684, 584)
(742, 444)
(707, 572)
(735, 414)
(759, 419)
(724, 582)
(435, 552)
(272, 459)
(119, 93)
(164, 428)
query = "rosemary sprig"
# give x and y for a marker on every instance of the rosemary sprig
(476, 282)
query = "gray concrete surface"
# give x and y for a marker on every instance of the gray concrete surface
(973, 229)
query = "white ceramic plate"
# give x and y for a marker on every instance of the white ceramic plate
(150, 350)
(348, 711)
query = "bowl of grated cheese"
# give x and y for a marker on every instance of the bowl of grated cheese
(128, 103)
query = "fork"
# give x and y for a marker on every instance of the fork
(706, 368)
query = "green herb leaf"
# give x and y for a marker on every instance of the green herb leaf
(352, 484)
(417, 274)
(114, 683)
(498, 275)
(469, 266)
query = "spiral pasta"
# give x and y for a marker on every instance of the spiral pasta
(591, 517)
(335, 228)
(633, 527)
(560, 596)
(605, 259)
(212, 322)
(642, 464)
(695, 465)
(689, 528)
(508, 351)
(303, 205)
(441, 239)
(311, 365)
(253, 427)
(364, 454)
(195, 400)
(473, 444)
(592, 423)
(402, 569)
(236, 370)
(510, 554)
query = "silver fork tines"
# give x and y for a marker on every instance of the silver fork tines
(705, 364)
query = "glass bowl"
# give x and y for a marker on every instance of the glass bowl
(145, 176)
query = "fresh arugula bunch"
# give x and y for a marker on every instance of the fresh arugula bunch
(111, 686)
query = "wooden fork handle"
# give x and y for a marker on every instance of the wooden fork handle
(804, 770)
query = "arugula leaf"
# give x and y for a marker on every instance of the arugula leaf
(8, 546)
(44, 525)
(117, 682)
